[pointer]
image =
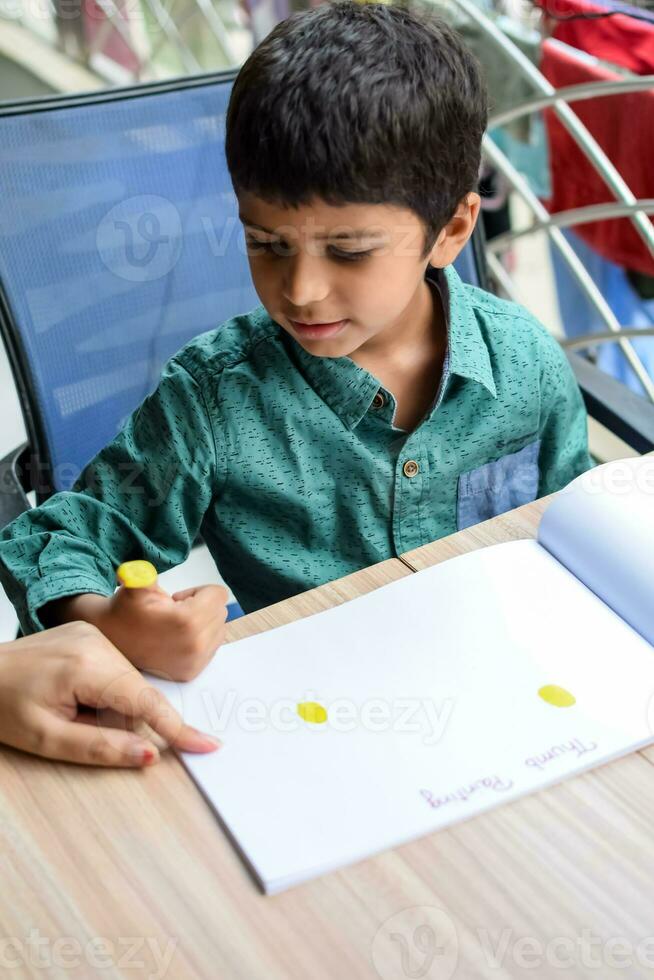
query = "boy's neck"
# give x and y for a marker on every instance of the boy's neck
(409, 362)
(422, 330)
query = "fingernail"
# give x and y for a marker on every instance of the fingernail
(208, 740)
(213, 743)
(142, 755)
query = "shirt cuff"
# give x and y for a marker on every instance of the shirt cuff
(44, 591)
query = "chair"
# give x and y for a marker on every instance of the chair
(120, 242)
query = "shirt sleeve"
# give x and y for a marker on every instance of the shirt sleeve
(564, 424)
(143, 496)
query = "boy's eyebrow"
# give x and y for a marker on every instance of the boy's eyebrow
(341, 236)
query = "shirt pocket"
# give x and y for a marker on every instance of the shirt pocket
(499, 486)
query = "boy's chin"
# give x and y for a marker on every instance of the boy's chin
(341, 345)
(328, 348)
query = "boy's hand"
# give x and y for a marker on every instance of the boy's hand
(175, 636)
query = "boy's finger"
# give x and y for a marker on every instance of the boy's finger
(219, 592)
(185, 593)
(90, 745)
(209, 599)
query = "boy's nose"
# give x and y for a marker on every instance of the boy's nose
(305, 282)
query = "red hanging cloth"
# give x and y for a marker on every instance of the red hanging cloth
(620, 39)
(623, 125)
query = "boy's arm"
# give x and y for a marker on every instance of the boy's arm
(143, 496)
(564, 424)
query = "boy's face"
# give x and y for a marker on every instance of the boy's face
(350, 278)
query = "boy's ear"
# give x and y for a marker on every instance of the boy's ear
(456, 232)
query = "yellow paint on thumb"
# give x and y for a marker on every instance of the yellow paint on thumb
(137, 574)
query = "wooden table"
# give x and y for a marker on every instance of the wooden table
(104, 870)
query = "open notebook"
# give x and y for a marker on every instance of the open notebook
(441, 695)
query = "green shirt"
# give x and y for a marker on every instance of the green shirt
(290, 465)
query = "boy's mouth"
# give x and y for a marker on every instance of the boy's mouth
(318, 331)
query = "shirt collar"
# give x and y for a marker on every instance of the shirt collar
(349, 389)
(467, 353)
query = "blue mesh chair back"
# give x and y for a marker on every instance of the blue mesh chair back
(119, 242)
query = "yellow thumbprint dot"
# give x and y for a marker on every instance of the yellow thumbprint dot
(558, 696)
(137, 574)
(311, 711)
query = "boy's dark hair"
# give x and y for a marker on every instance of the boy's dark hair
(367, 104)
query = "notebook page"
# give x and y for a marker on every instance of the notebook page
(430, 687)
(601, 527)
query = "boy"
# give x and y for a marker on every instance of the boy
(372, 403)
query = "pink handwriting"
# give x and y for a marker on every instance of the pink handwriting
(575, 745)
(461, 795)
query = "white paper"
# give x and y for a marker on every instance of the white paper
(601, 527)
(454, 656)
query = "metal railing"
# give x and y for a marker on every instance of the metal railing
(626, 205)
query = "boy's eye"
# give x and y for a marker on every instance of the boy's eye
(256, 247)
(273, 248)
(350, 256)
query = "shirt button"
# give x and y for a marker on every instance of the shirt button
(378, 401)
(410, 468)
